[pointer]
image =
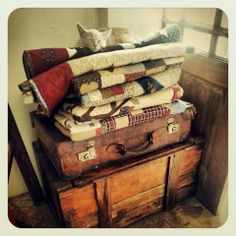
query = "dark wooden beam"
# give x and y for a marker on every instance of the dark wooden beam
(22, 159)
(215, 33)
(11, 151)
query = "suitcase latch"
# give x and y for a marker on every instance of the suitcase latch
(172, 128)
(90, 154)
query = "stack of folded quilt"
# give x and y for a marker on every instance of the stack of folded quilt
(90, 94)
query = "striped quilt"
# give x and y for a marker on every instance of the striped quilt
(136, 88)
(119, 75)
(79, 131)
(121, 107)
(50, 87)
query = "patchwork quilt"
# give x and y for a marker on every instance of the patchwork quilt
(37, 61)
(136, 88)
(119, 75)
(121, 107)
(79, 131)
(50, 87)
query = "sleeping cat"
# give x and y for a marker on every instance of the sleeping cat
(96, 39)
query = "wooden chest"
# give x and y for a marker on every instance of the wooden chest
(122, 193)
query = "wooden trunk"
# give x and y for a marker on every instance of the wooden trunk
(119, 194)
(68, 156)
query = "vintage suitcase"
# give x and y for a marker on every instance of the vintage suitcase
(124, 192)
(72, 158)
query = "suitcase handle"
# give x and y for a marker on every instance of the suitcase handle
(120, 148)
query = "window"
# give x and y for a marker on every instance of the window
(204, 28)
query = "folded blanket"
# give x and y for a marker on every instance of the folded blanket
(37, 61)
(50, 87)
(120, 107)
(79, 131)
(119, 75)
(136, 88)
(171, 33)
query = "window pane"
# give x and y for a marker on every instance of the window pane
(174, 14)
(224, 21)
(222, 47)
(200, 40)
(203, 16)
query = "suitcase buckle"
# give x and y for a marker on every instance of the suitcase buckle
(172, 128)
(90, 154)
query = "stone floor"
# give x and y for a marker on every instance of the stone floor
(188, 214)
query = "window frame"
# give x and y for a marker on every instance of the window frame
(215, 31)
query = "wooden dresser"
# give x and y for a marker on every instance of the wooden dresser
(205, 84)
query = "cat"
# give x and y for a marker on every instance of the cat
(97, 39)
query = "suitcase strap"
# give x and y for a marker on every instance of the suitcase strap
(121, 149)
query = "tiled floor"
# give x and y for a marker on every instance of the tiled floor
(188, 214)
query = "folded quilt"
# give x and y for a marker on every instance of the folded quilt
(120, 107)
(50, 87)
(136, 88)
(119, 75)
(79, 131)
(37, 61)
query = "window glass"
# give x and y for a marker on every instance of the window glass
(224, 21)
(200, 16)
(199, 25)
(200, 40)
(222, 47)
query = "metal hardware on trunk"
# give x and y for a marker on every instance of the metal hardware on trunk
(170, 120)
(90, 154)
(91, 143)
(171, 155)
(172, 128)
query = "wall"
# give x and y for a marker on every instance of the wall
(102, 17)
(140, 21)
(37, 28)
(222, 211)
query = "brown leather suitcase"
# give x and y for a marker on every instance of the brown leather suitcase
(118, 195)
(72, 158)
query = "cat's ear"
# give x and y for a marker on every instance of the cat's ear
(81, 29)
(107, 33)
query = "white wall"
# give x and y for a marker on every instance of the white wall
(141, 21)
(222, 211)
(36, 28)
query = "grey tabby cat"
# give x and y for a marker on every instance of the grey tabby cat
(96, 39)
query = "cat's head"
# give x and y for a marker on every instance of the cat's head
(92, 38)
